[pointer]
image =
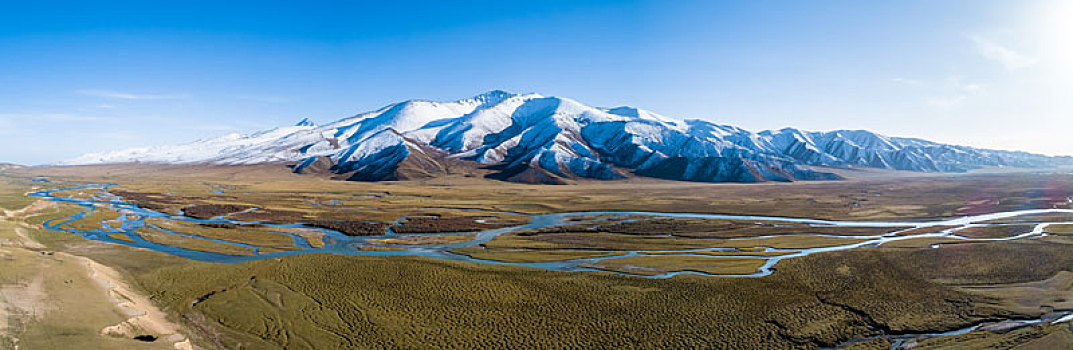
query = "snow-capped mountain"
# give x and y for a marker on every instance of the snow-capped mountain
(535, 138)
(859, 148)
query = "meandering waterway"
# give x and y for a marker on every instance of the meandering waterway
(132, 218)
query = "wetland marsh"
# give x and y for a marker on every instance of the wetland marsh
(632, 243)
(595, 277)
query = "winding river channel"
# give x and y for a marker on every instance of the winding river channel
(132, 218)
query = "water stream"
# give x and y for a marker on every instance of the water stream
(132, 218)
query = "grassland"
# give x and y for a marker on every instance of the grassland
(517, 255)
(926, 229)
(1032, 219)
(707, 228)
(1054, 293)
(654, 265)
(426, 240)
(738, 252)
(398, 302)
(1059, 229)
(1002, 231)
(48, 299)
(166, 238)
(922, 242)
(437, 224)
(864, 198)
(253, 235)
(331, 301)
(617, 242)
(94, 220)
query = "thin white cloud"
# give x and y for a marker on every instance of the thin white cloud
(972, 89)
(954, 93)
(946, 102)
(19, 123)
(907, 81)
(52, 117)
(131, 96)
(1009, 58)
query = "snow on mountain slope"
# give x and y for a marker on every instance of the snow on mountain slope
(530, 137)
(866, 149)
(263, 147)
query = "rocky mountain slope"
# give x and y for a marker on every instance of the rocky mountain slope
(540, 139)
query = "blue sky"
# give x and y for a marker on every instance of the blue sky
(83, 77)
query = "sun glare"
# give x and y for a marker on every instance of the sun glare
(1056, 34)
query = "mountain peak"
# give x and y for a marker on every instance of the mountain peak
(494, 94)
(634, 112)
(531, 137)
(306, 122)
(492, 97)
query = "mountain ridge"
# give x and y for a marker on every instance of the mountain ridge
(545, 139)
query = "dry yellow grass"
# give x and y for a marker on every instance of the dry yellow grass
(718, 253)
(654, 265)
(859, 198)
(427, 240)
(609, 241)
(160, 237)
(258, 236)
(530, 255)
(922, 242)
(1059, 229)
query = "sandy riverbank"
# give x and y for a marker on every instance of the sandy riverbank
(145, 317)
(57, 298)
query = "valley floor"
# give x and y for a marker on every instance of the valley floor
(979, 288)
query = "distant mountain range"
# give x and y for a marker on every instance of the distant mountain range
(540, 139)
